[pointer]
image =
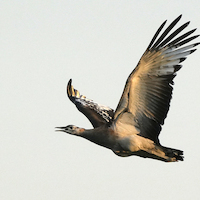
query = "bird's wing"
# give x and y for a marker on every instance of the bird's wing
(97, 114)
(148, 90)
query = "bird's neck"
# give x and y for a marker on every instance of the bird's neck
(101, 136)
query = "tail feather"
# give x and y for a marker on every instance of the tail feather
(173, 153)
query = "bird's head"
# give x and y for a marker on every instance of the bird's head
(71, 129)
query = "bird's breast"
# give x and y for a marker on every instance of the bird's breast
(122, 130)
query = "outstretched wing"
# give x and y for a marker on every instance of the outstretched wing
(97, 114)
(148, 89)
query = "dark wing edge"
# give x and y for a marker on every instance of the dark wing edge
(97, 114)
(169, 47)
(162, 60)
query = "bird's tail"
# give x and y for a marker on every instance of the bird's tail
(173, 154)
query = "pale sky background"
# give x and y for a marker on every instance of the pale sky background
(96, 43)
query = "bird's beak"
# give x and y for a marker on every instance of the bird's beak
(61, 128)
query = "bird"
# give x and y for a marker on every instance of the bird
(133, 128)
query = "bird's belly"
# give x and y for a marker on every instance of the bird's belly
(128, 138)
(135, 143)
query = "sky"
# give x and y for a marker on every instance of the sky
(96, 43)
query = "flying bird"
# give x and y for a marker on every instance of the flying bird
(133, 128)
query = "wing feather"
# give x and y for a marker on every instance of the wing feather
(148, 89)
(97, 114)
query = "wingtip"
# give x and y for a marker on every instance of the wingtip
(70, 81)
(71, 92)
(182, 59)
(196, 44)
(192, 51)
(179, 17)
(187, 23)
(69, 88)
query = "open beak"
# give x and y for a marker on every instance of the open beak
(61, 129)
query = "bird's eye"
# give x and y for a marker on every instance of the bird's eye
(70, 127)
